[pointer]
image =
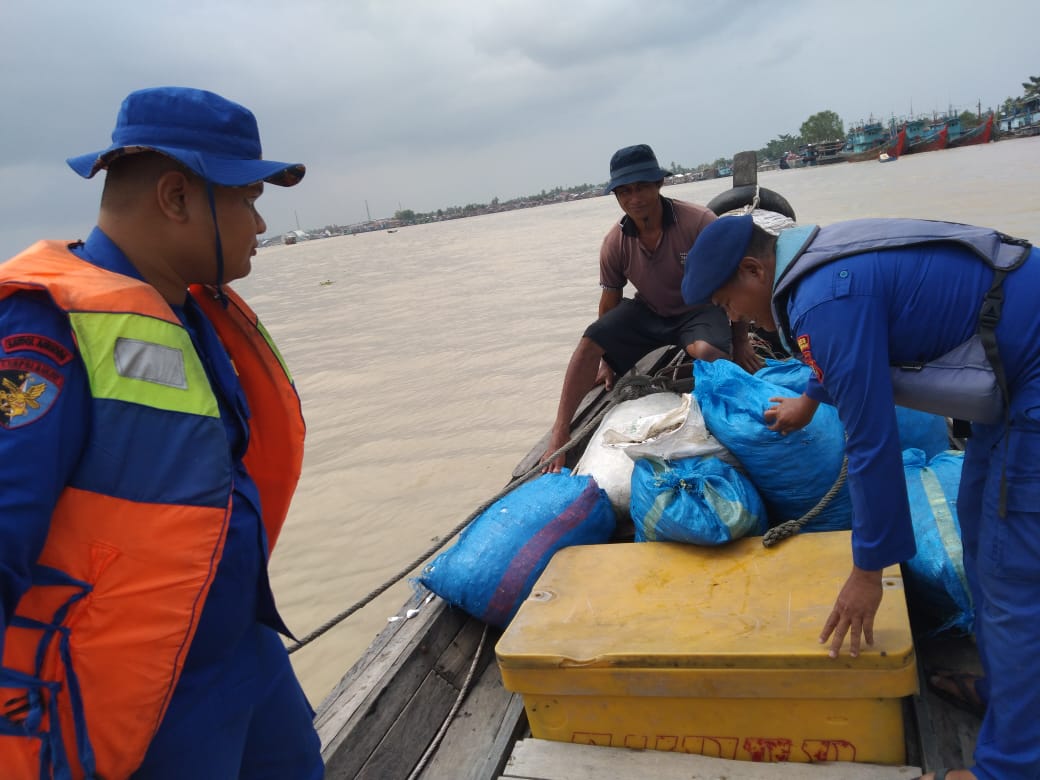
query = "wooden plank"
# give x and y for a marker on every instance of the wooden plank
(407, 740)
(946, 734)
(384, 651)
(745, 169)
(423, 716)
(457, 659)
(536, 759)
(482, 734)
(353, 720)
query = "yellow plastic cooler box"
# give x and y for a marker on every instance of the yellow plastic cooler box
(709, 650)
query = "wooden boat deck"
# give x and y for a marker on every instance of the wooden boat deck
(378, 722)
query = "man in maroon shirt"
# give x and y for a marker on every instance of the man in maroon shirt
(647, 248)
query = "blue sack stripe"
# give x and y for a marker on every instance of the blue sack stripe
(937, 588)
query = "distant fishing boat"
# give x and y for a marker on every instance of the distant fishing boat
(898, 146)
(866, 137)
(981, 134)
(823, 153)
(883, 145)
(930, 142)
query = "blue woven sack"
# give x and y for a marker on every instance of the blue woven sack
(792, 373)
(491, 569)
(922, 431)
(937, 589)
(791, 473)
(696, 500)
(917, 430)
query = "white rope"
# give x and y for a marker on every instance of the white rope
(770, 221)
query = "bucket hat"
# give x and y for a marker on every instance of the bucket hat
(714, 257)
(210, 135)
(632, 164)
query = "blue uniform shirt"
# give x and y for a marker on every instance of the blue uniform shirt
(40, 450)
(856, 316)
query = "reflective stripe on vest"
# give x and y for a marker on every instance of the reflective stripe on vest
(144, 361)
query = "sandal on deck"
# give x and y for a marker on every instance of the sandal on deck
(965, 696)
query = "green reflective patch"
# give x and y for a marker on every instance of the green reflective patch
(270, 342)
(143, 360)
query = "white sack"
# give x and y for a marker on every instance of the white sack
(611, 466)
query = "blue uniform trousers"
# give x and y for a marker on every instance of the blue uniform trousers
(1002, 562)
(246, 718)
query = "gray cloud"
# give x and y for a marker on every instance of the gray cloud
(425, 105)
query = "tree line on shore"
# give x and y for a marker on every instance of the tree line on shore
(821, 126)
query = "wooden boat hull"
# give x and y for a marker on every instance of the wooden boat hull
(931, 143)
(897, 147)
(982, 134)
(894, 147)
(866, 154)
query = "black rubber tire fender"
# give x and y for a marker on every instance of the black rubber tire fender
(738, 197)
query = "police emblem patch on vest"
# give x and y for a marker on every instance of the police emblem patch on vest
(28, 389)
(805, 348)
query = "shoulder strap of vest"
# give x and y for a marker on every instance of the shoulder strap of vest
(992, 306)
(78, 285)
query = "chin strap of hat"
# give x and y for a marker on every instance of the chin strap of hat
(220, 249)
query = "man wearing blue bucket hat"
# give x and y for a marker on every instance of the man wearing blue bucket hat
(941, 317)
(152, 440)
(647, 248)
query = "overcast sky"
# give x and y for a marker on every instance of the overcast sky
(422, 105)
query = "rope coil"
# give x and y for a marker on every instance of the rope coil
(785, 530)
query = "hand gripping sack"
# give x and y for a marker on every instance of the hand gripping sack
(792, 473)
(917, 430)
(491, 569)
(695, 500)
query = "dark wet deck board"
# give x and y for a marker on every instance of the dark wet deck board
(943, 735)
(380, 719)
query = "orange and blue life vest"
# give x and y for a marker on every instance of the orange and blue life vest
(97, 644)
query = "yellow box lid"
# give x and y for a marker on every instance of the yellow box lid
(739, 619)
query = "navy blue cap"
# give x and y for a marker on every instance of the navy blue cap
(210, 135)
(714, 257)
(632, 164)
